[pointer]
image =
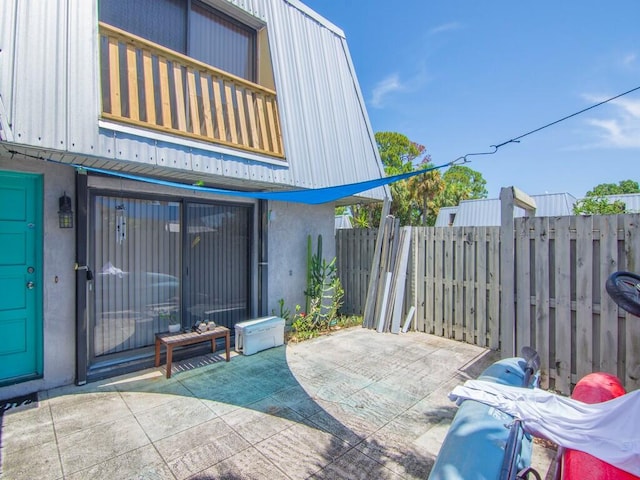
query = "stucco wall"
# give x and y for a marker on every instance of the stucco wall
(289, 225)
(58, 278)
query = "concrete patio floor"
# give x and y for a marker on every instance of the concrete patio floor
(351, 405)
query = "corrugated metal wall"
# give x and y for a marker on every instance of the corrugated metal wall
(444, 216)
(7, 39)
(486, 211)
(52, 96)
(630, 200)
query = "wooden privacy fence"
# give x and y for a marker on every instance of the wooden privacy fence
(355, 249)
(559, 304)
(456, 283)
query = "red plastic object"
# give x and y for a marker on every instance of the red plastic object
(593, 388)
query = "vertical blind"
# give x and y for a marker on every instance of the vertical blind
(137, 248)
(154, 267)
(217, 263)
(161, 21)
(222, 42)
(213, 37)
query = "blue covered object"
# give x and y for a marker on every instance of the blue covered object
(474, 448)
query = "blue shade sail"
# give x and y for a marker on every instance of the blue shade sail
(312, 196)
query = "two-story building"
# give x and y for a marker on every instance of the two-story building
(135, 140)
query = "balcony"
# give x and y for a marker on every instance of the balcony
(149, 86)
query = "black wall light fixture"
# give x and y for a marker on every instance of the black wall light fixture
(65, 213)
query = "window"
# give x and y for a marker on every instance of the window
(163, 22)
(218, 40)
(189, 27)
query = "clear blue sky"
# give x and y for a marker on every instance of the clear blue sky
(460, 75)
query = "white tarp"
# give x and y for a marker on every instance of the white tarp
(609, 430)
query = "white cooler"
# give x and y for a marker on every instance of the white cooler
(259, 334)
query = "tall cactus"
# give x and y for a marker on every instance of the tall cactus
(315, 277)
(308, 291)
(324, 293)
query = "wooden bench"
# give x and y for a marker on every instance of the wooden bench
(171, 340)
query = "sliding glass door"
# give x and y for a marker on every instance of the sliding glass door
(156, 265)
(217, 252)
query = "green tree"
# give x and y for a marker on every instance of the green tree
(399, 155)
(397, 152)
(623, 187)
(461, 183)
(424, 191)
(596, 203)
(413, 200)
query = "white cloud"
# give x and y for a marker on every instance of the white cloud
(445, 27)
(629, 59)
(385, 87)
(630, 106)
(620, 128)
(394, 84)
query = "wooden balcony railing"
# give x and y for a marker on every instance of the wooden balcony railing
(147, 85)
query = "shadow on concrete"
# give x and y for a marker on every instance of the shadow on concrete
(356, 405)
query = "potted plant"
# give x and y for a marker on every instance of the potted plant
(172, 320)
(174, 323)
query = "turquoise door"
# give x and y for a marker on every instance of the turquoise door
(20, 277)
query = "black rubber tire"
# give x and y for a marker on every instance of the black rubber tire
(624, 289)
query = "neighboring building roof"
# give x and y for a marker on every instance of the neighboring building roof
(446, 216)
(630, 200)
(486, 211)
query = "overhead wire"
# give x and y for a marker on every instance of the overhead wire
(325, 194)
(531, 132)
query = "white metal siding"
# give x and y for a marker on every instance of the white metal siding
(53, 97)
(7, 43)
(630, 200)
(442, 220)
(84, 78)
(38, 108)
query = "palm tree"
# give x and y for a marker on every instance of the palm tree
(423, 191)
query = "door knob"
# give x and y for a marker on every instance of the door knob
(30, 285)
